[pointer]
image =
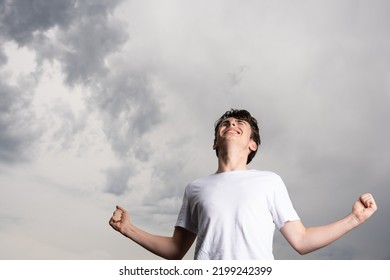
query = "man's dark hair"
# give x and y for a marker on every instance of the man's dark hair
(245, 116)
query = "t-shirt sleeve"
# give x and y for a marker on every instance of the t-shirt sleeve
(282, 207)
(186, 219)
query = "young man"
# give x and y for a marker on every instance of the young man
(233, 213)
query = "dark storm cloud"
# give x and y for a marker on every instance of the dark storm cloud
(17, 128)
(83, 46)
(22, 18)
(117, 179)
(3, 57)
(85, 33)
(121, 95)
(81, 35)
(70, 125)
(25, 23)
(129, 110)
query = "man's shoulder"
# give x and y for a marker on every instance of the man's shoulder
(265, 173)
(201, 180)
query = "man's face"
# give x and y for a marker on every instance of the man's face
(232, 129)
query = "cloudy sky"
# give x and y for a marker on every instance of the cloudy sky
(113, 102)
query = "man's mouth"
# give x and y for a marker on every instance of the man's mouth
(231, 131)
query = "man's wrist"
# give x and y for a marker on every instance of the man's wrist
(128, 230)
(355, 222)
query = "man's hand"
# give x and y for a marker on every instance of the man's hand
(364, 207)
(120, 219)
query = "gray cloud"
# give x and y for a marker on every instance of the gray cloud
(86, 33)
(22, 18)
(3, 57)
(314, 73)
(70, 125)
(17, 127)
(129, 109)
(122, 95)
(82, 36)
(83, 47)
(117, 179)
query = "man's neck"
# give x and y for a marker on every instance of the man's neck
(228, 162)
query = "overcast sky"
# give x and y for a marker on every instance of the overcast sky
(113, 102)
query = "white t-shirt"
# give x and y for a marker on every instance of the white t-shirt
(234, 214)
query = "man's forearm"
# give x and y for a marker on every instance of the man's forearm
(318, 237)
(162, 246)
(305, 240)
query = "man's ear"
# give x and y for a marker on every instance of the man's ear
(253, 146)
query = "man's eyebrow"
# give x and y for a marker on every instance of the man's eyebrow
(238, 120)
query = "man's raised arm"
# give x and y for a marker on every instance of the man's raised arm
(305, 240)
(174, 247)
